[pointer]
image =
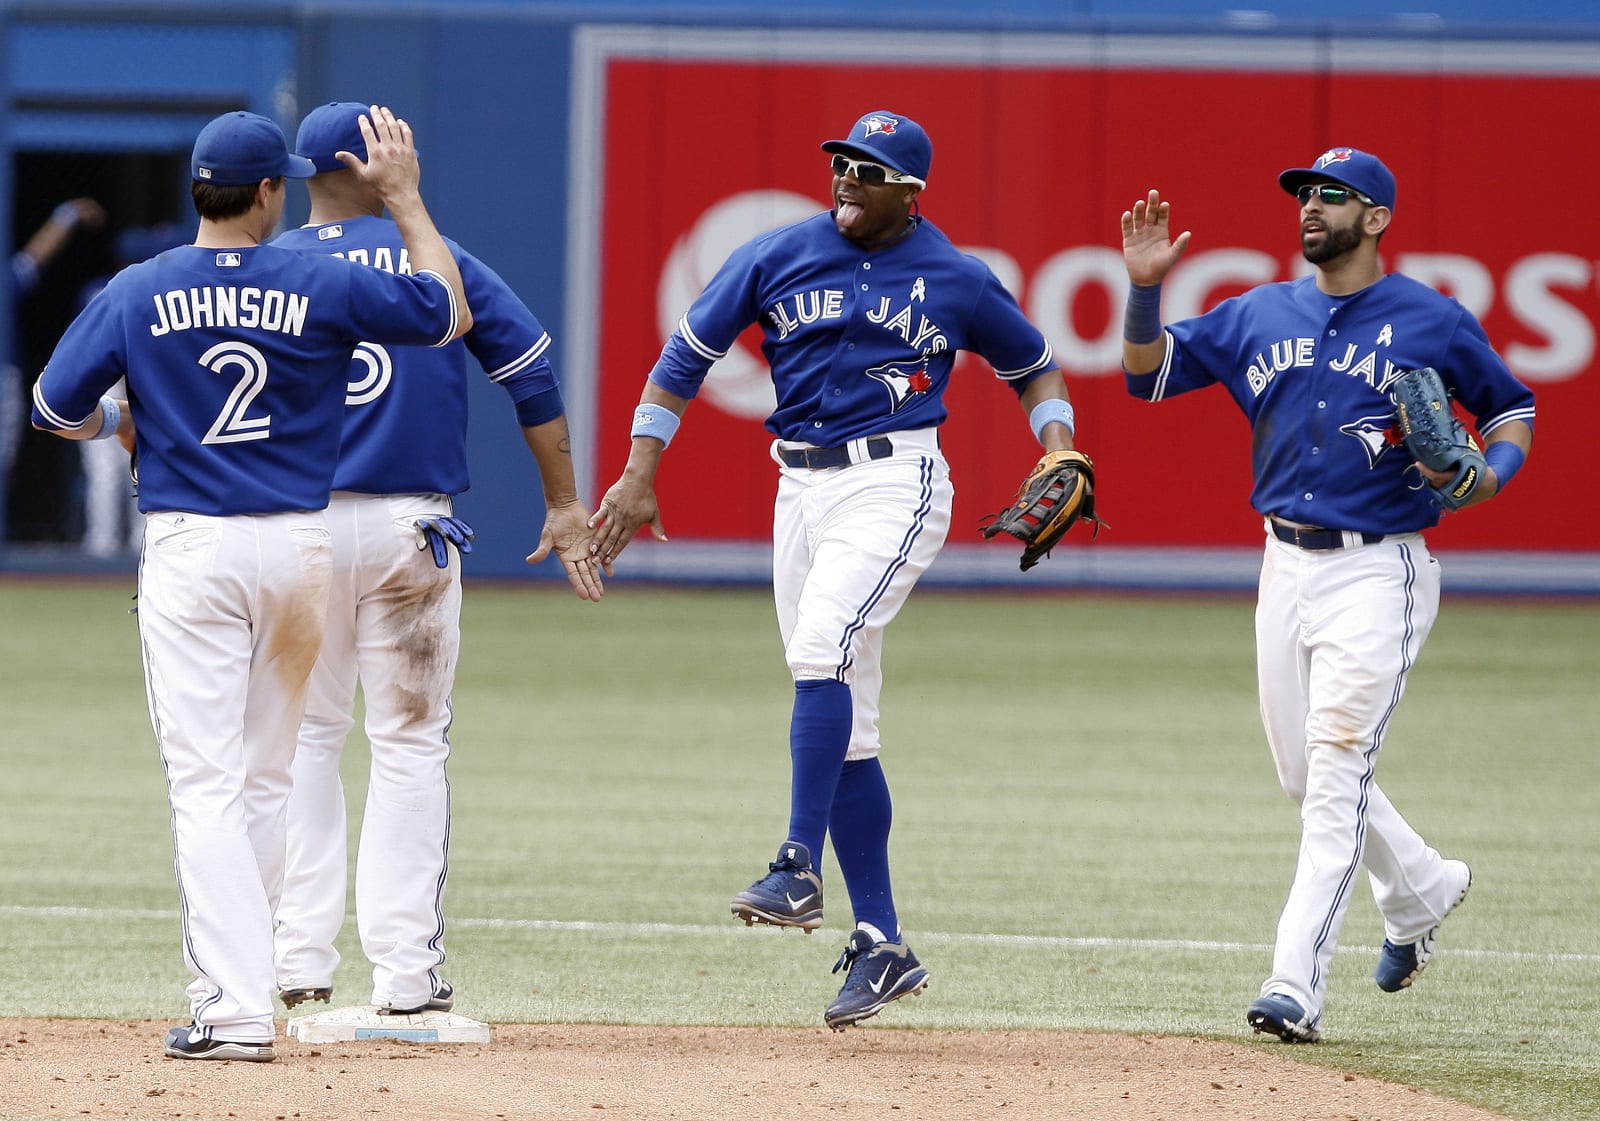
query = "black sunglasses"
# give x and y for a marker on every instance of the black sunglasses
(870, 174)
(1331, 193)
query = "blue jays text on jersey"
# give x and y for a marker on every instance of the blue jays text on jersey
(859, 342)
(1312, 373)
(405, 428)
(236, 361)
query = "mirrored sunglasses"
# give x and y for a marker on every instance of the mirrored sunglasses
(1331, 193)
(871, 174)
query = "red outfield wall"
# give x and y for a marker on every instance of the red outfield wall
(1032, 168)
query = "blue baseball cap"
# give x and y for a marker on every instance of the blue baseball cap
(242, 148)
(330, 128)
(896, 142)
(1349, 167)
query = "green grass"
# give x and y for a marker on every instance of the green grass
(1088, 832)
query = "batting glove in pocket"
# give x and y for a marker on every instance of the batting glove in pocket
(435, 533)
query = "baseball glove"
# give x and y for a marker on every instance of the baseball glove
(1057, 492)
(1435, 438)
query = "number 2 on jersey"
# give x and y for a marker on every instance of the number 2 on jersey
(231, 425)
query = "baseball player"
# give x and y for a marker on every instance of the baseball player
(1348, 588)
(236, 356)
(394, 610)
(862, 309)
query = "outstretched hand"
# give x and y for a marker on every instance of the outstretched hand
(566, 533)
(1148, 248)
(628, 506)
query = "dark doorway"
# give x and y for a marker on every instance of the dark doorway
(138, 191)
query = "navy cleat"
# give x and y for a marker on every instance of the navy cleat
(442, 1000)
(191, 1041)
(293, 997)
(1398, 966)
(879, 972)
(790, 894)
(1280, 1014)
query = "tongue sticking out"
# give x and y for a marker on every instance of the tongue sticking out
(848, 215)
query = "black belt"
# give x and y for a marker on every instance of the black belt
(818, 459)
(1318, 540)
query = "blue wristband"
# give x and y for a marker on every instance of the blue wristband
(1049, 411)
(1141, 323)
(65, 214)
(540, 408)
(1505, 460)
(110, 419)
(655, 420)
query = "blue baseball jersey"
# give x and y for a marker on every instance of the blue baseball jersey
(236, 362)
(859, 342)
(405, 426)
(1312, 372)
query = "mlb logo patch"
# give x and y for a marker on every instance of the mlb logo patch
(328, 233)
(229, 260)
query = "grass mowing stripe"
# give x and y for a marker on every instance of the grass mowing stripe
(1047, 941)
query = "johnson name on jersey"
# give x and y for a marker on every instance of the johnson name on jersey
(235, 363)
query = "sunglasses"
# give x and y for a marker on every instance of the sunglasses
(870, 174)
(1331, 194)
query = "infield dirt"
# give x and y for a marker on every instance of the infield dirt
(105, 1070)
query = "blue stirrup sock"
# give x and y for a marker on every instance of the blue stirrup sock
(819, 736)
(860, 822)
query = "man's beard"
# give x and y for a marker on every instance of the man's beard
(1335, 242)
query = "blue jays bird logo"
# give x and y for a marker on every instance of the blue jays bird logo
(904, 381)
(1332, 155)
(885, 125)
(1374, 433)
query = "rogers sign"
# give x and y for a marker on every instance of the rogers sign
(1032, 167)
(1541, 292)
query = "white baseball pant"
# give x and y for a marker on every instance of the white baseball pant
(1336, 634)
(230, 618)
(394, 622)
(849, 544)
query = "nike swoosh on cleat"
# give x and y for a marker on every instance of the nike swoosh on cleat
(877, 986)
(793, 902)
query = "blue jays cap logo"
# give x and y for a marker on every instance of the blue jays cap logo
(1350, 166)
(891, 139)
